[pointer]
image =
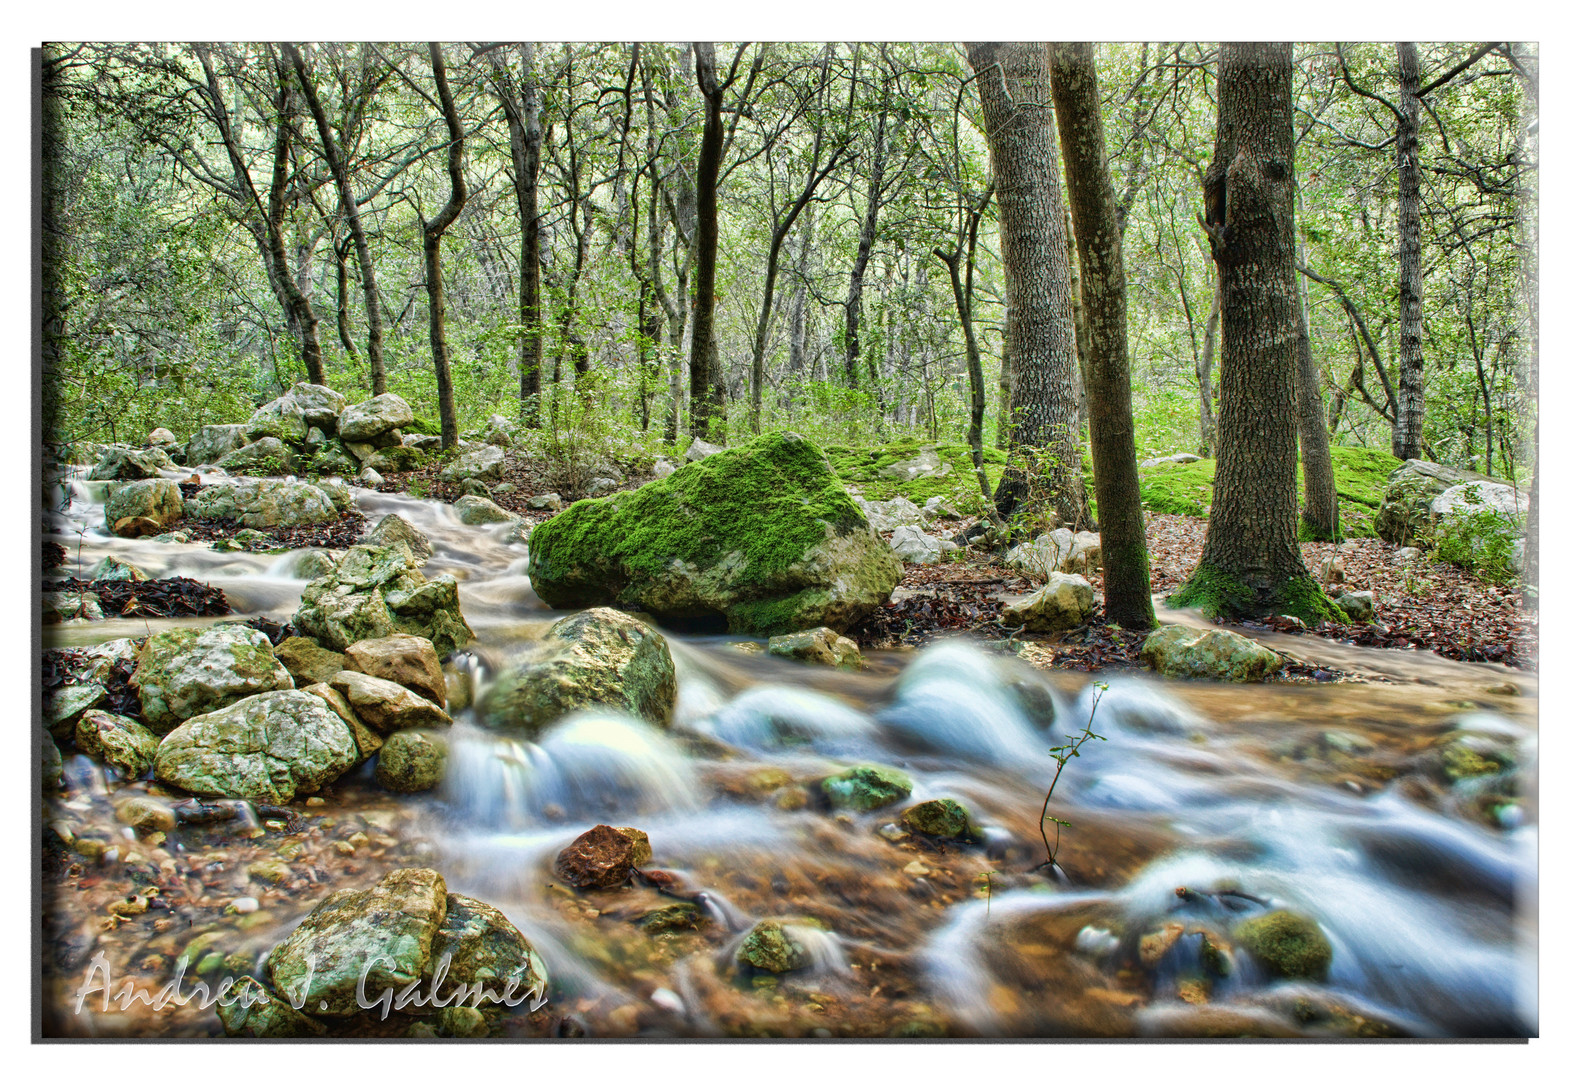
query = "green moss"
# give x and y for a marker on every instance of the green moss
(1301, 597)
(866, 787)
(1174, 488)
(1221, 595)
(1290, 945)
(863, 467)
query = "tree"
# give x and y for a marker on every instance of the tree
(1013, 85)
(1127, 595)
(433, 233)
(1251, 563)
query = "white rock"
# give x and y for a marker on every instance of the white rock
(912, 545)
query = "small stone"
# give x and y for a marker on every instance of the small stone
(893, 833)
(944, 818)
(463, 1022)
(866, 787)
(145, 812)
(242, 905)
(268, 871)
(769, 947)
(916, 869)
(601, 858)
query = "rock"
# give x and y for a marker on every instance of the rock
(463, 1022)
(818, 646)
(768, 946)
(602, 857)
(386, 706)
(145, 812)
(393, 459)
(367, 741)
(264, 504)
(602, 485)
(1290, 946)
(250, 1011)
(911, 545)
(186, 672)
(1357, 605)
(944, 818)
(213, 441)
(595, 657)
(1405, 513)
(762, 537)
(506, 488)
(394, 529)
(700, 450)
(366, 420)
(65, 706)
(163, 438)
(891, 515)
(1185, 652)
(266, 457)
(672, 918)
(157, 500)
(926, 463)
(339, 494)
(64, 606)
(428, 444)
(1086, 553)
(483, 947)
(1331, 571)
(1059, 552)
(52, 769)
(476, 510)
(484, 463)
(268, 747)
(119, 742)
(124, 463)
(176, 537)
(1172, 459)
(377, 591)
(412, 761)
(1406, 556)
(1062, 604)
(866, 787)
(313, 563)
(308, 661)
(501, 431)
(475, 487)
(401, 658)
(939, 507)
(551, 502)
(662, 468)
(371, 477)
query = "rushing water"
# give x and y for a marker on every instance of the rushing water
(1203, 806)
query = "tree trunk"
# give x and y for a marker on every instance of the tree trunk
(299, 308)
(1013, 83)
(433, 234)
(1408, 422)
(1320, 503)
(864, 250)
(348, 209)
(708, 392)
(525, 124)
(1251, 563)
(1207, 425)
(1127, 594)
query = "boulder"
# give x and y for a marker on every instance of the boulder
(186, 672)
(1405, 514)
(65, 706)
(119, 742)
(411, 761)
(866, 787)
(769, 947)
(65, 606)
(163, 438)
(369, 419)
(338, 492)
(1064, 603)
(394, 529)
(393, 459)
(603, 857)
(268, 747)
(602, 485)
(212, 442)
(762, 537)
(475, 487)
(114, 568)
(401, 658)
(476, 510)
(158, 500)
(818, 646)
(135, 528)
(501, 431)
(1059, 552)
(595, 657)
(1357, 605)
(1172, 459)
(374, 592)
(939, 507)
(1186, 652)
(926, 463)
(943, 818)
(266, 457)
(308, 661)
(1477, 497)
(250, 1011)
(370, 477)
(551, 502)
(483, 947)
(1288, 945)
(124, 463)
(662, 468)
(700, 450)
(367, 741)
(911, 545)
(891, 515)
(484, 463)
(265, 503)
(386, 706)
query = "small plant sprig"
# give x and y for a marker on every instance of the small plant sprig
(1063, 754)
(987, 886)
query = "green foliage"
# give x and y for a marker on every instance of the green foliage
(1482, 541)
(863, 467)
(1063, 754)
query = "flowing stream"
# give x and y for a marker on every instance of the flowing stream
(1204, 806)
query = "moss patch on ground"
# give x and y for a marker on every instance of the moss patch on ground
(863, 467)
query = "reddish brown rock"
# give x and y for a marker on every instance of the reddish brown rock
(131, 528)
(602, 857)
(401, 658)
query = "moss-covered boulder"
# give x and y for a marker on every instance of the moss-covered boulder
(1290, 946)
(943, 818)
(762, 537)
(185, 672)
(1064, 603)
(1186, 652)
(250, 1011)
(866, 787)
(266, 457)
(376, 591)
(213, 441)
(267, 747)
(595, 657)
(411, 761)
(118, 741)
(158, 500)
(770, 947)
(393, 529)
(125, 463)
(818, 646)
(264, 503)
(1406, 513)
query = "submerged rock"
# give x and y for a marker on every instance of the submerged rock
(1186, 652)
(412, 761)
(866, 787)
(1290, 946)
(268, 747)
(769, 947)
(762, 537)
(185, 672)
(603, 857)
(377, 591)
(595, 657)
(818, 646)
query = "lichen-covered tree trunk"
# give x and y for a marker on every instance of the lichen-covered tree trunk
(1408, 421)
(1127, 594)
(1013, 84)
(708, 392)
(1207, 425)
(1251, 563)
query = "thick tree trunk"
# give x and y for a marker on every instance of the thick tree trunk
(1013, 83)
(1408, 422)
(433, 235)
(348, 209)
(708, 392)
(1127, 594)
(1251, 563)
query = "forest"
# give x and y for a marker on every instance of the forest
(454, 450)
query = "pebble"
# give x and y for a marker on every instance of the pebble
(916, 869)
(242, 905)
(665, 998)
(893, 833)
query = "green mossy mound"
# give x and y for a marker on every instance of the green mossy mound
(762, 537)
(1289, 945)
(1220, 595)
(866, 787)
(864, 467)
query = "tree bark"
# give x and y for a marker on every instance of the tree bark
(708, 392)
(299, 308)
(1320, 503)
(1408, 421)
(433, 234)
(525, 124)
(1127, 593)
(1251, 563)
(864, 249)
(1013, 83)
(1207, 425)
